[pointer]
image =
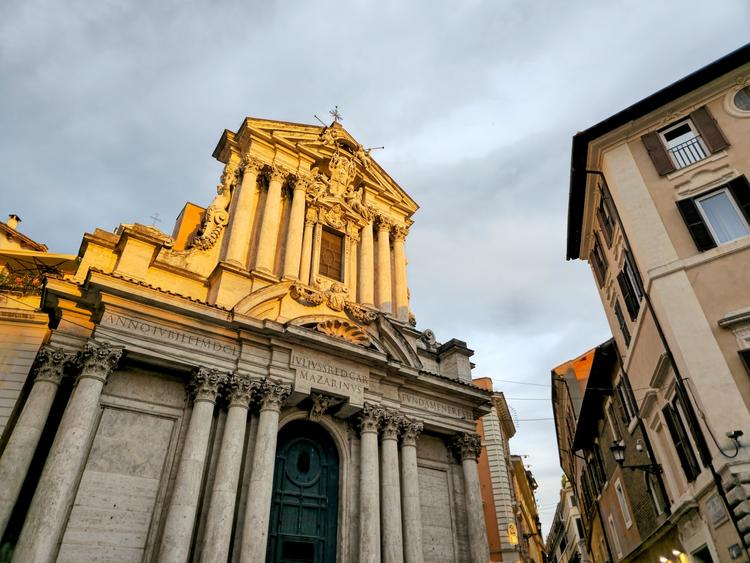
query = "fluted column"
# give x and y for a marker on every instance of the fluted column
(178, 529)
(401, 310)
(311, 215)
(369, 491)
(16, 458)
(390, 514)
(269, 229)
(412, 519)
(468, 448)
(257, 511)
(224, 493)
(295, 232)
(239, 232)
(385, 300)
(56, 490)
(366, 267)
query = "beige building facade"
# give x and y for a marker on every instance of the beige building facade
(250, 388)
(660, 208)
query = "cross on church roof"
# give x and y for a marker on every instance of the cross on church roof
(336, 115)
(155, 218)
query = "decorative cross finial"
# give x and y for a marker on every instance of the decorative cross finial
(336, 115)
(155, 218)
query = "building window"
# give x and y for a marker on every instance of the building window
(742, 99)
(684, 143)
(719, 216)
(622, 323)
(745, 355)
(630, 286)
(606, 215)
(579, 529)
(654, 490)
(626, 402)
(615, 537)
(674, 417)
(598, 262)
(331, 255)
(623, 504)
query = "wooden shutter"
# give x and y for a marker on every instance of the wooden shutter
(745, 355)
(628, 295)
(681, 443)
(741, 191)
(696, 225)
(658, 153)
(636, 274)
(712, 136)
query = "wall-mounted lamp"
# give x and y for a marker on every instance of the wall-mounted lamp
(618, 452)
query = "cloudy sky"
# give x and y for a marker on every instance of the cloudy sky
(111, 109)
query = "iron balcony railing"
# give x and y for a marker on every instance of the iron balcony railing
(687, 153)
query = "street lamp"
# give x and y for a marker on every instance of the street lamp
(618, 452)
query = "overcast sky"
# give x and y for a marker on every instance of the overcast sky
(111, 110)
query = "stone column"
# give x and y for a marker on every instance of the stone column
(258, 509)
(16, 458)
(366, 267)
(410, 493)
(390, 515)
(317, 241)
(269, 229)
(239, 232)
(183, 504)
(385, 300)
(295, 232)
(307, 243)
(48, 514)
(353, 235)
(369, 491)
(468, 447)
(224, 493)
(401, 309)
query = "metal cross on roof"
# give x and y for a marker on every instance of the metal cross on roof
(336, 115)
(155, 218)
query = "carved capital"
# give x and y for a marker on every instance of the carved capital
(277, 173)
(352, 231)
(311, 216)
(369, 418)
(98, 359)
(272, 395)
(399, 232)
(301, 184)
(383, 223)
(228, 177)
(392, 424)
(467, 446)
(252, 164)
(320, 404)
(206, 384)
(50, 364)
(240, 390)
(410, 432)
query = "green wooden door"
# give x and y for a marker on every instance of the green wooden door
(304, 508)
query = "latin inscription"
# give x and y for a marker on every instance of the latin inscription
(323, 374)
(197, 343)
(437, 407)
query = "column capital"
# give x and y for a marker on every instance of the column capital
(369, 418)
(301, 183)
(272, 395)
(383, 223)
(252, 164)
(276, 173)
(352, 231)
(467, 446)
(50, 364)
(392, 424)
(98, 359)
(205, 384)
(240, 390)
(411, 431)
(399, 232)
(311, 216)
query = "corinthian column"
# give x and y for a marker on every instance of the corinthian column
(353, 234)
(311, 215)
(385, 301)
(257, 512)
(410, 493)
(16, 459)
(468, 448)
(56, 490)
(239, 232)
(369, 493)
(399, 259)
(178, 529)
(366, 269)
(390, 515)
(294, 233)
(221, 508)
(269, 229)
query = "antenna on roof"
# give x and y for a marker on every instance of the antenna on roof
(374, 149)
(321, 121)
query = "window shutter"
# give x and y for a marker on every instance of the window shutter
(741, 191)
(696, 225)
(745, 355)
(636, 274)
(681, 443)
(706, 124)
(658, 153)
(631, 303)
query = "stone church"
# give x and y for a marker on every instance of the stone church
(250, 388)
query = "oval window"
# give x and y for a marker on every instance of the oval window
(742, 99)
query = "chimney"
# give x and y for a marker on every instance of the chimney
(13, 221)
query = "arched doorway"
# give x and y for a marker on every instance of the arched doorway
(304, 508)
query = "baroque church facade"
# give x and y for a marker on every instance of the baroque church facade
(251, 388)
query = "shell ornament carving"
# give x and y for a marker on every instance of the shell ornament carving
(345, 330)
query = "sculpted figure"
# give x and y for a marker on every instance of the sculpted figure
(354, 198)
(318, 185)
(216, 216)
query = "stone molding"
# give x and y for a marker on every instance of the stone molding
(98, 360)
(320, 404)
(272, 395)
(240, 390)
(466, 446)
(206, 384)
(50, 364)
(370, 417)
(410, 432)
